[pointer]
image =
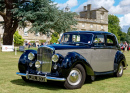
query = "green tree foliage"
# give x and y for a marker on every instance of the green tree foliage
(54, 38)
(122, 36)
(127, 38)
(43, 15)
(42, 41)
(128, 32)
(18, 40)
(113, 25)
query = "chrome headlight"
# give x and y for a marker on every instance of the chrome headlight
(38, 64)
(31, 56)
(55, 58)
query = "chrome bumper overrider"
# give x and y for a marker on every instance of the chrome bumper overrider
(47, 77)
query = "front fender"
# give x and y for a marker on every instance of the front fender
(23, 61)
(72, 59)
(119, 57)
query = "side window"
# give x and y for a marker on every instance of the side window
(66, 38)
(99, 40)
(111, 40)
(75, 38)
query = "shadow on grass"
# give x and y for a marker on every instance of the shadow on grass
(54, 85)
(102, 77)
(99, 78)
(50, 85)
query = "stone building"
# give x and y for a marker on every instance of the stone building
(88, 19)
(92, 19)
(28, 36)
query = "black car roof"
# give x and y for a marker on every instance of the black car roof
(93, 32)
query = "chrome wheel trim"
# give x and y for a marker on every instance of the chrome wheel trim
(74, 77)
(120, 70)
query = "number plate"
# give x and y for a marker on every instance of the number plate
(37, 78)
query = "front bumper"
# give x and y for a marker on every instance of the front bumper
(46, 77)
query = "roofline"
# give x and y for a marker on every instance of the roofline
(94, 32)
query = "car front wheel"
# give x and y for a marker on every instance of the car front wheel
(25, 79)
(76, 78)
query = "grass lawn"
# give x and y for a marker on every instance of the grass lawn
(11, 83)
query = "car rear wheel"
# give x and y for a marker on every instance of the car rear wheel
(119, 73)
(76, 78)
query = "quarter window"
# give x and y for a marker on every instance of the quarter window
(99, 40)
(111, 41)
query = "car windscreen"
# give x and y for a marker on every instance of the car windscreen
(76, 38)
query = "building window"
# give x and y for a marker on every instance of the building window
(37, 34)
(102, 27)
(91, 25)
(83, 25)
(26, 32)
(101, 16)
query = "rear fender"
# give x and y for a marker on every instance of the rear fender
(119, 57)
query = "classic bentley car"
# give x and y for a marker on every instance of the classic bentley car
(78, 55)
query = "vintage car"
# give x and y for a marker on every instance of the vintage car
(79, 54)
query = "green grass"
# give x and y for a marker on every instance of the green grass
(11, 83)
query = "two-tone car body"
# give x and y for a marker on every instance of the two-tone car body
(79, 54)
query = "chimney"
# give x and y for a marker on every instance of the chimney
(88, 11)
(88, 7)
(85, 8)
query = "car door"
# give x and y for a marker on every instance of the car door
(100, 61)
(111, 44)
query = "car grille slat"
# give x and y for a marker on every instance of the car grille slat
(44, 55)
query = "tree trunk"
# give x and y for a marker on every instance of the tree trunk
(0, 40)
(7, 39)
(10, 28)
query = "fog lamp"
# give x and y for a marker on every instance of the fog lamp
(38, 64)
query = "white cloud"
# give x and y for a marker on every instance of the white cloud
(124, 21)
(70, 3)
(125, 3)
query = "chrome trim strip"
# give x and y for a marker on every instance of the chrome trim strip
(47, 77)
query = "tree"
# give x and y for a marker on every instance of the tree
(128, 32)
(18, 40)
(113, 25)
(122, 35)
(127, 38)
(43, 15)
(54, 38)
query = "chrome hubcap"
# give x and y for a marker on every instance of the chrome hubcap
(120, 69)
(74, 77)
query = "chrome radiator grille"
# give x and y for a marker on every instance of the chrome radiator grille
(44, 55)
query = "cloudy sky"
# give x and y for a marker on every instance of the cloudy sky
(120, 8)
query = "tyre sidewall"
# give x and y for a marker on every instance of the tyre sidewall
(68, 86)
(118, 73)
